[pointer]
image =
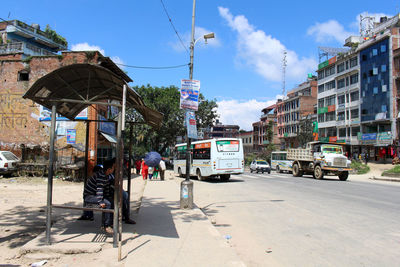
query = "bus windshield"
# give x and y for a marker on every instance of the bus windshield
(228, 146)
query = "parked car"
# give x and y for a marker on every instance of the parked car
(8, 162)
(260, 166)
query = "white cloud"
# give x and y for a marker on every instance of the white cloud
(264, 53)
(332, 30)
(328, 31)
(198, 32)
(87, 47)
(242, 113)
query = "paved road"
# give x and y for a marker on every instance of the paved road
(279, 220)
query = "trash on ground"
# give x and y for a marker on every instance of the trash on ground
(268, 250)
(227, 237)
(39, 263)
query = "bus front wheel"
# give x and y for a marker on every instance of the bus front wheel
(199, 176)
(225, 177)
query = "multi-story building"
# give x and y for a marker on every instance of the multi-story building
(297, 105)
(357, 92)
(265, 130)
(247, 140)
(339, 99)
(220, 130)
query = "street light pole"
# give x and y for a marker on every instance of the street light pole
(186, 199)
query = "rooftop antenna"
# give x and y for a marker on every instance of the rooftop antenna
(284, 64)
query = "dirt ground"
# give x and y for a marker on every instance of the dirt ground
(23, 209)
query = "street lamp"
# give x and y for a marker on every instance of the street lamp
(186, 199)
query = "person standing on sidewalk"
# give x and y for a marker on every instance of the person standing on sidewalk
(162, 169)
(145, 170)
(366, 158)
(151, 171)
(138, 164)
(93, 192)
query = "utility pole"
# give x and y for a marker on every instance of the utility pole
(186, 199)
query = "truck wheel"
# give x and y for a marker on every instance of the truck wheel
(199, 176)
(318, 172)
(278, 170)
(343, 176)
(225, 177)
(251, 171)
(296, 170)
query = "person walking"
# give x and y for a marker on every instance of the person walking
(162, 169)
(151, 171)
(366, 158)
(156, 170)
(93, 192)
(138, 164)
(145, 170)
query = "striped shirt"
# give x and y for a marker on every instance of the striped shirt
(95, 185)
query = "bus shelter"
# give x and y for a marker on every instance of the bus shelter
(70, 89)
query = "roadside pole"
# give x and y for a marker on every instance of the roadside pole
(186, 195)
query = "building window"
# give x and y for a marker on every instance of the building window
(353, 62)
(375, 71)
(384, 108)
(364, 57)
(331, 131)
(342, 132)
(330, 71)
(321, 75)
(384, 88)
(354, 113)
(341, 99)
(23, 76)
(340, 67)
(355, 130)
(354, 78)
(383, 48)
(347, 115)
(320, 88)
(340, 83)
(354, 96)
(383, 68)
(330, 100)
(341, 116)
(330, 116)
(321, 118)
(330, 85)
(320, 103)
(375, 90)
(374, 52)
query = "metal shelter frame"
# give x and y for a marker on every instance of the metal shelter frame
(69, 90)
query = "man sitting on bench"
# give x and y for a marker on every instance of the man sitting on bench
(93, 192)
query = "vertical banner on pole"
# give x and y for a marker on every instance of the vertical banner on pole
(191, 124)
(190, 90)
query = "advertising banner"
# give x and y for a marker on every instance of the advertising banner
(191, 124)
(190, 90)
(71, 136)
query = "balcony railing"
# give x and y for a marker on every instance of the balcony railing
(9, 48)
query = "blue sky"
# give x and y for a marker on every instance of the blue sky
(241, 68)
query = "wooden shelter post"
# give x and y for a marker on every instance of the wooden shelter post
(87, 151)
(51, 170)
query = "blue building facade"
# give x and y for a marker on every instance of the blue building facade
(375, 87)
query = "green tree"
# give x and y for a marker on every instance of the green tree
(166, 100)
(305, 131)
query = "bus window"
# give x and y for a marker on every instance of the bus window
(202, 153)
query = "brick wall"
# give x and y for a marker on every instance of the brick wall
(19, 118)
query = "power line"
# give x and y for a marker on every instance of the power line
(170, 21)
(143, 67)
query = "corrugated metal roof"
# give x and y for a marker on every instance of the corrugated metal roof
(76, 86)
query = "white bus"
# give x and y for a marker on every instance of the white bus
(213, 157)
(279, 162)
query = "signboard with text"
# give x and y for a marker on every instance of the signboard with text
(190, 90)
(71, 136)
(191, 124)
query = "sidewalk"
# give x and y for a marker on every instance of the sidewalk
(164, 234)
(375, 173)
